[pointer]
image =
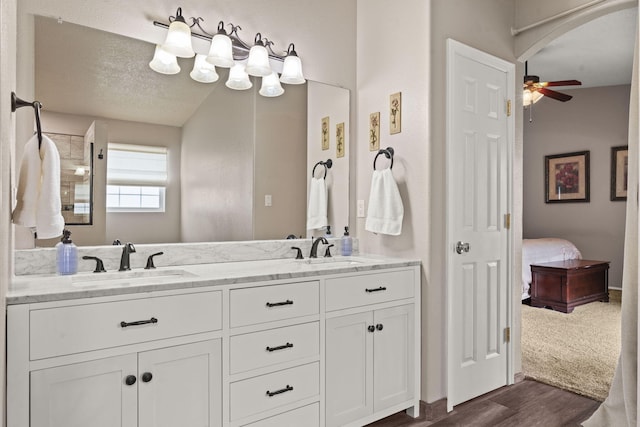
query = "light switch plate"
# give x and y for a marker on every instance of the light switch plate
(360, 208)
(267, 200)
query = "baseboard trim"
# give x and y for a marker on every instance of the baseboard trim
(434, 411)
(518, 377)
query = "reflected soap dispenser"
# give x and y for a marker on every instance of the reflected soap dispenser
(347, 243)
(66, 255)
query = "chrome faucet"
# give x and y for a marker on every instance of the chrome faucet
(314, 246)
(127, 249)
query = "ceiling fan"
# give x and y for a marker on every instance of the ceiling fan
(534, 89)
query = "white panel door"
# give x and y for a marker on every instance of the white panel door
(477, 239)
(181, 386)
(393, 356)
(86, 394)
(349, 368)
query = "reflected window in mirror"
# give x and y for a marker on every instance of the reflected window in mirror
(76, 178)
(136, 178)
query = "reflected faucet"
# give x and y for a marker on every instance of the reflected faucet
(314, 246)
(127, 249)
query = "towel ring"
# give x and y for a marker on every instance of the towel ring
(327, 165)
(388, 153)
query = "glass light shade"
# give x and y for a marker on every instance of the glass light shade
(271, 86)
(221, 51)
(238, 78)
(292, 71)
(203, 71)
(258, 62)
(529, 97)
(178, 41)
(163, 62)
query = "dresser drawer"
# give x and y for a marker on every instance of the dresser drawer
(354, 291)
(307, 416)
(73, 329)
(266, 348)
(250, 306)
(259, 394)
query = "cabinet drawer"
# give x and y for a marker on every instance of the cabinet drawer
(308, 416)
(73, 329)
(259, 349)
(259, 394)
(262, 304)
(354, 291)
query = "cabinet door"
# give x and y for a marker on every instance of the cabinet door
(86, 394)
(181, 386)
(349, 365)
(393, 356)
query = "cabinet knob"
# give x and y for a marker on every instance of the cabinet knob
(130, 380)
(146, 377)
(379, 326)
(371, 328)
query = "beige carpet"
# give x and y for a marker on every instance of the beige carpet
(577, 351)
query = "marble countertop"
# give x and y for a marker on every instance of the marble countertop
(47, 287)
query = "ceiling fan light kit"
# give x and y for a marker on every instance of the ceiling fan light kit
(534, 90)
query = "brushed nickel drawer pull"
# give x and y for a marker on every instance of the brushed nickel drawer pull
(276, 304)
(282, 390)
(138, 322)
(381, 288)
(280, 347)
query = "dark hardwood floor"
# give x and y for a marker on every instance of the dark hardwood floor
(525, 404)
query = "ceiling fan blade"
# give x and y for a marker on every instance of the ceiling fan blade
(555, 95)
(562, 83)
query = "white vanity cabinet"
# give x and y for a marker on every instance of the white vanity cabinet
(143, 360)
(323, 347)
(371, 353)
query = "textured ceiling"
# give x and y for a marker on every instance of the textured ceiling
(85, 71)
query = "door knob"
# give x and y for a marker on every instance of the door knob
(130, 380)
(462, 247)
(146, 377)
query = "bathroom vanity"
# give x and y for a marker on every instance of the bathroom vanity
(324, 342)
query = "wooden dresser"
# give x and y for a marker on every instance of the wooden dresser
(563, 285)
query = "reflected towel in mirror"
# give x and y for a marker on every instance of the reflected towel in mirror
(317, 210)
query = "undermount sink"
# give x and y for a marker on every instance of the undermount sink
(331, 261)
(132, 277)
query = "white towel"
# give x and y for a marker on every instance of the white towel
(38, 200)
(385, 205)
(317, 210)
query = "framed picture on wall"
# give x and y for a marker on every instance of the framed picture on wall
(566, 177)
(619, 172)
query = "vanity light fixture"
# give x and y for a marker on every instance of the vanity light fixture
(178, 41)
(226, 50)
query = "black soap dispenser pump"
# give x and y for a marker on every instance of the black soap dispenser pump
(66, 255)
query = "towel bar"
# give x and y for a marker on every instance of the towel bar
(37, 105)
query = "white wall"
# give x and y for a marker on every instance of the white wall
(596, 119)
(417, 69)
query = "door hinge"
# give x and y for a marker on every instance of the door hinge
(507, 334)
(507, 221)
(508, 108)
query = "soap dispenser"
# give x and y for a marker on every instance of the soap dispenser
(347, 243)
(66, 255)
(328, 232)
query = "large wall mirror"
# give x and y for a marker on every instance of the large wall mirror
(239, 163)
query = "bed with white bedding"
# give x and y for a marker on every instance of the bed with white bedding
(535, 251)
